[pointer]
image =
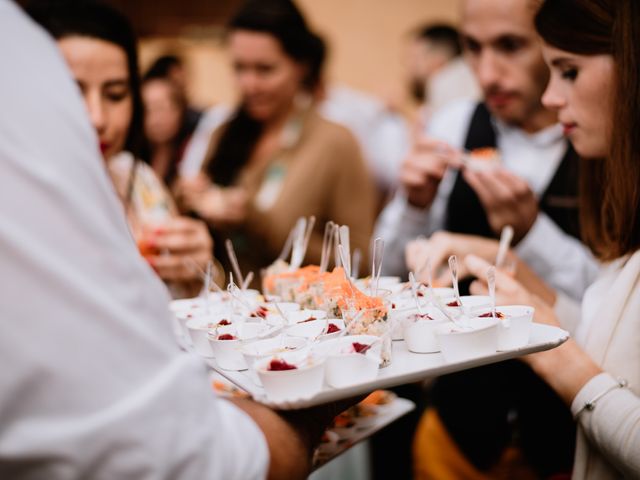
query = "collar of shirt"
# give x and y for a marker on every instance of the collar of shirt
(532, 156)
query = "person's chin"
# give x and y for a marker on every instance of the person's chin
(259, 113)
(585, 146)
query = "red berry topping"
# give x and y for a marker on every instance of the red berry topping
(222, 323)
(280, 365)
(226, 336)
(333, 328)
(360, 347)
(488, 315)
(455, 303)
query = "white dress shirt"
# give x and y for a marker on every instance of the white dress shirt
(568, 266)
(382, 134)
(92, 383)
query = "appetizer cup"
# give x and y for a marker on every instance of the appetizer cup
(459, 343)
(401, 313)
(199, 327)
(420, 334)
(304, 381)
(254, 351)
(345, 366)
(514, 325)
(226, 343)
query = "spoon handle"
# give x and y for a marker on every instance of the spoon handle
(414, 291)
(453, 266)
(505, 241)
(491, 280)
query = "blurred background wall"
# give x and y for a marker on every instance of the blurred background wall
(366, 39)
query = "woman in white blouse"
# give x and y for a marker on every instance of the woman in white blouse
(591, 47)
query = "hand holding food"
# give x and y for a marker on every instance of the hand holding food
(173, 247)
(506, 198)
(423, 169)
(216, 205)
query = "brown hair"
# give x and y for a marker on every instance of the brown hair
(610, 188)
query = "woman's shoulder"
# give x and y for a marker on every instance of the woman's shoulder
(329, 133)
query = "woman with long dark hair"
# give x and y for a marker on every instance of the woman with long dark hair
(276, 159)
(592, 48)
(99, 46)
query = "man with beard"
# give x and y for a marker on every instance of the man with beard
(482, 412)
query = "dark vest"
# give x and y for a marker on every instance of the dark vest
(465, 213)
(488, 408)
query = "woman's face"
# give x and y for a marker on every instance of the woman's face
(267, 77)
(163, 116)
(581, 90)
(100, 69)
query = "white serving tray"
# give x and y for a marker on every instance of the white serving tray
(392, 412)
(406, 367)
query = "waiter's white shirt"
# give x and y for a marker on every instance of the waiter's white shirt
(92, 384)
(561, 260)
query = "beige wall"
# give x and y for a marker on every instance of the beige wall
(365, 38)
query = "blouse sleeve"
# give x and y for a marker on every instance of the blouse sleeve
(613, 426)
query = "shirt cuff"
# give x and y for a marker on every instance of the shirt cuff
(591, 389)
(413, 215)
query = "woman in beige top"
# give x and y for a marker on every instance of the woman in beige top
(592, 50)
(276, 159)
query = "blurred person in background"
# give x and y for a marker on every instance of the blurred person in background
(165, 110)
(437, 72)
(99, 46)
(172, 68)
(276, 159)
(383, 134)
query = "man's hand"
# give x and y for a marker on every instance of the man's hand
(506, 198)
(422, 171)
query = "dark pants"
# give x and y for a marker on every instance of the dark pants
(488, 408)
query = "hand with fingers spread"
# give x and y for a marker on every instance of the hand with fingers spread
(175, 246)
(440, 246)
(424, 168)
(506, 198)
(216, 205)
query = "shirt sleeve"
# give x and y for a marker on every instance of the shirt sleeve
(613, 426)
(400, 222)
(95, 385)
(563, 261)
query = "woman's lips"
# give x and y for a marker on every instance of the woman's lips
(104, 147)
(568, 128)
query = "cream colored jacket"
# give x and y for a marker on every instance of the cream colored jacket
(608, 443)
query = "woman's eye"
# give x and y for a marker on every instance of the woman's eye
(570, 73)
(117, 96)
